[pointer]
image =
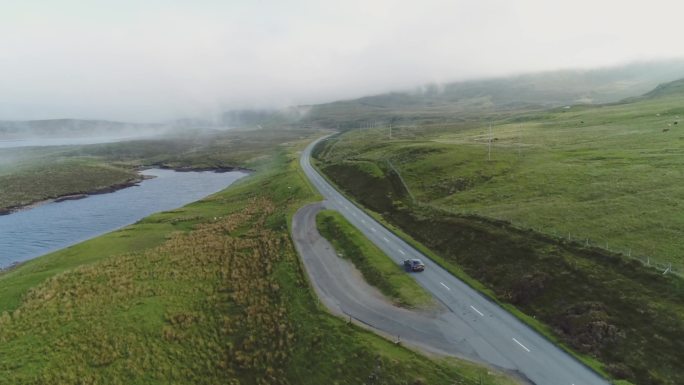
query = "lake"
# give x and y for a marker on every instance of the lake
(30, 233)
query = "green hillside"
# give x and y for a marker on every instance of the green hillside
(553, 221)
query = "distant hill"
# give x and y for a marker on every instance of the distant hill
(667, 89)
(469, 100)
(246, 118)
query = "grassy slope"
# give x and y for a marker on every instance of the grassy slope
(182, 298)
(608, 174)
(29, 175)
(615, 178)
(377, 268)
(596, 302)
(42, 180)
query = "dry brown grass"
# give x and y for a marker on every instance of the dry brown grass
(209, 264)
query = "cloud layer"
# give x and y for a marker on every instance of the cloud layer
(158, 60)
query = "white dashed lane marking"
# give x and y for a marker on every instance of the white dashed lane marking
(521, 345)
(477, 311)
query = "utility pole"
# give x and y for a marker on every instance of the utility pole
(520, 141)
(489, 147)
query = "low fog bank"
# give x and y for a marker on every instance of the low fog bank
(58, 132)
(468, 99)
(74, 128)
(443, 101)
(473, 99)
(261, 118)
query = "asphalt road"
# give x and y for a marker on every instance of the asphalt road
(468, 325)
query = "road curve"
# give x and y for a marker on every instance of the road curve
(469, 325)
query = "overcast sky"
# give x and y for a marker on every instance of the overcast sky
(147, 60)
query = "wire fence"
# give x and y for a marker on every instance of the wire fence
(401, 179)
(646, 260)
(626, 252)
(583, 241)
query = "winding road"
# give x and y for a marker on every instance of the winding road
(467, 324)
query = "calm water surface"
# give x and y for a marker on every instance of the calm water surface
(31, 233)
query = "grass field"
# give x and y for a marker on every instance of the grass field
(608, 173)
(209, 293)
(377, 268)
(48, 180)
(30, 175)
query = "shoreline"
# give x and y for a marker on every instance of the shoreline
(115, 187)
(12, 266)
(219, 170)
(74, 196)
